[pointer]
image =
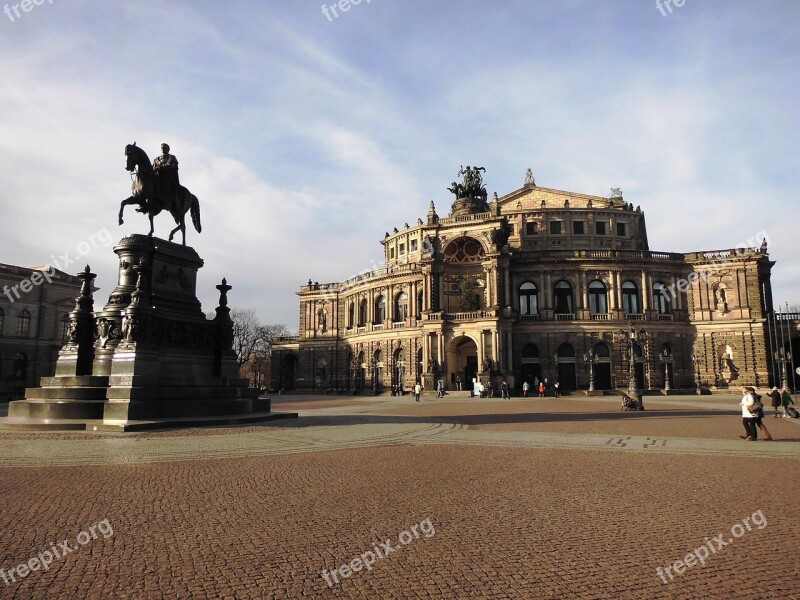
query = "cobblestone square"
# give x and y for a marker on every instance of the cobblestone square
(526, 498)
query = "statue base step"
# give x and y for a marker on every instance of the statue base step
(110, 425)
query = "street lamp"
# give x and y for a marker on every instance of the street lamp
(783, 357)
(590, 358)
(697, 381)
(633, 337)
(666, 359)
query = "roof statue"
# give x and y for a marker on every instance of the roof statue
(529, 180)
(615, 193)
(156, 187)
(471, 185)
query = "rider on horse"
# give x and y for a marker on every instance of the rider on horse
(167, 183)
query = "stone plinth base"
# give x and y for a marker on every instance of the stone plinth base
(155, 359)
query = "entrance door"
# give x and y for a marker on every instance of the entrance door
(602, 376)
(566, 376)
(529, 372)
(470, 371)
(640, 375)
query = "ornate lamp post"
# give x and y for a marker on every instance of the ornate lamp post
(633, 337)
(697, 382)
(666, 359)
(590, 358)
(783, 357)
(555, 358)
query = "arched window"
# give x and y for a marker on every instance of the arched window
(630, 298)
(601, 350)
(566, 350)
(666, 350)
(598, 298)
(351, 315)
(401, 307)
(322, 320)
(530, 351)
(64, 327)
(528, 299)
(380, 310)
(563, 297)
(23, 324)
(362, 313)
(660, 299)
(420, 304)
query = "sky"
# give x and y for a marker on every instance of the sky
(306, 136)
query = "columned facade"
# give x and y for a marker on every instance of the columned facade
(535, 285)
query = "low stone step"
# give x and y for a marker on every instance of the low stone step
(75, 381)
(66, 393)
(56, 409)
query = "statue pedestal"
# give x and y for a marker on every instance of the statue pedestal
(468, 206)
(156, 360)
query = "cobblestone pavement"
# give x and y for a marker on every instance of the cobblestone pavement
(519, 511)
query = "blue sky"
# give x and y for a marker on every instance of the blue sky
(305, 138)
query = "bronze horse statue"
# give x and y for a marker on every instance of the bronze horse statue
(149, 193)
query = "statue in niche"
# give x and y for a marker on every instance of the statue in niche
(727, 366)
(722, 300)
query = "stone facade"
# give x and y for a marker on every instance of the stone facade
(34, 316)
(545, 284)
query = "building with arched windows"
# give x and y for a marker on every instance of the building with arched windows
(540, 284)
(34, 316)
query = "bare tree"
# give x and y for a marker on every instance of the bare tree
(252, 343)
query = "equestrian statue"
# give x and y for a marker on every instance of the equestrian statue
(156, 187)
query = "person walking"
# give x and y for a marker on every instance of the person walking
(759, 416)
(504, 389)
(440, 389)
(526, 387)
(458, 382)
(417, 391)
(557, 388)
(786, 400)
(748, 419)
(541, 389)
(776, 400)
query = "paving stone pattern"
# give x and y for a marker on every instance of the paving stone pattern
(259, 512)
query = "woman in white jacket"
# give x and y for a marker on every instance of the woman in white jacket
(748, 419)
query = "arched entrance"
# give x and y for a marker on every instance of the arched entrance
(530, 368)
(602, 368)
(462, 360)
(567, 376)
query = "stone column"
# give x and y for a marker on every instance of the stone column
(584, 290)
(645, 292)
(542, 292)
(507, 286)
(548, 285)
(496, 351)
